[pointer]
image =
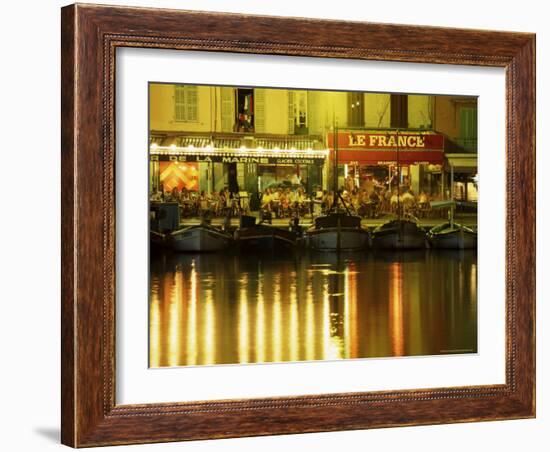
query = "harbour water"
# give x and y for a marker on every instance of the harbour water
(209, 309)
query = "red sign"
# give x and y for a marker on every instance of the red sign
(388, 147)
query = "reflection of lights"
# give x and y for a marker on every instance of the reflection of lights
(473, 282)
(154, 146)
(260, 324)
(396, 309)
(326, 320)
(347, 319)
(192, 319)
(277, 339)
(293, 323)
(351, 316)
(209, 329)
(310, 322)
(174, 330)
(243, 321)
(155, 332)
(173, 147)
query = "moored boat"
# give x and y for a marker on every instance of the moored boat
(262, 237)
(399, 234)
(157, 239)
(199, 238)
(337, 231)
(452, 236)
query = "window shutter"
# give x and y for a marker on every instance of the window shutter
(259, 110)
(291, 113)
(186, 103)
(228, 104)
(468, 127)
(192, 106)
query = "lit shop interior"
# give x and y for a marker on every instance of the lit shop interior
(247, 165)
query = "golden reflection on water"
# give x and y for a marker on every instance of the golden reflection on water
(396, 309)
(212, 309)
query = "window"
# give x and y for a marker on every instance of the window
(468, 128)
(356, 110)
(297, 112)
(245, 110)
(186, 103)
(399, 111)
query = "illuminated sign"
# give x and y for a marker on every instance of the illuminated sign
(238, 159)
(387, 141)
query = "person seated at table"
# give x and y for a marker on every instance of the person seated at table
(328, 201)
(423, 198)
(156, 196)
(394, 200)
(275, 200)
(409, 201)
(300, 201)
(175, 194)
(356, 199)
(214, 202)
(284, 202)
(267, 197)
(203, 203)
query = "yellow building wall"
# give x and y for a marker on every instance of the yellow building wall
(377, 110)
(276, 111)
(162, 110)
(420, 114)
(447, 113)
(325, 107)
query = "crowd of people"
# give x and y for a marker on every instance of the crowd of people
(289, 202)
(194, 203)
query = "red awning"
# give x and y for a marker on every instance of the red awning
(388, 147)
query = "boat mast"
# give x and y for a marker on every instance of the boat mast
(337, 193)
(335, 164)
(398, 176)
(451, 193)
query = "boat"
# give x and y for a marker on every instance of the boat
(451, 235)
(199, 238)
(338, 230)
(157, 240)
(399, 233)
(262, 237)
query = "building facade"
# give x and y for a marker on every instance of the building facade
(248, 139)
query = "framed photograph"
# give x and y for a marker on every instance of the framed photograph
(281, 225)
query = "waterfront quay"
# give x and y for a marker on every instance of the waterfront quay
(466, 219)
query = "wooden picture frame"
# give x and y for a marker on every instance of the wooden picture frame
(90, 36)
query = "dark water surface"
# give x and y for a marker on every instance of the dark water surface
(227, 309)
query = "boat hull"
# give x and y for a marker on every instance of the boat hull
(199, 239)
(399, 236)
(331, 239)
(457, 239)
(157, 240)
(264, 238)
